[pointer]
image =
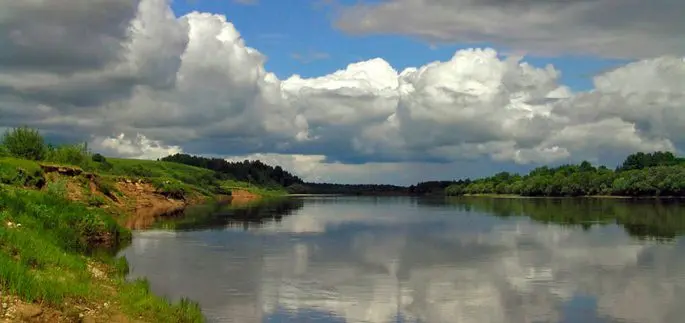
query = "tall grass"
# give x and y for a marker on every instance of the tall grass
(43, 242)
(20, 172)
(75, 155)
(48, 243)
(40, 240)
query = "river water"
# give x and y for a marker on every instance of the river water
(392, 259)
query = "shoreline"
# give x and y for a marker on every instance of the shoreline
(620, 197)
(102, 210)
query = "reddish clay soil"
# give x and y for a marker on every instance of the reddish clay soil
(240, 197)
(144, 205)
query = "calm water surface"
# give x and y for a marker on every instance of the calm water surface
(348, 259)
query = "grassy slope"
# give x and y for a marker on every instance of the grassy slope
(251, 188)
(192, 179)
(44, 237)
(44, 242)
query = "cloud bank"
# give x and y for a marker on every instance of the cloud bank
(192, 84)
(607, 28)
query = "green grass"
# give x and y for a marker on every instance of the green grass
(169, 178)
(44, 239)
(258, 190)
(105, 184)
(178, 180)
(20, 172)
(135, 297)
(70, 155)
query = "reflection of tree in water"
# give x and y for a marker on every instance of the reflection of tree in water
(654, 219)
(221, 215)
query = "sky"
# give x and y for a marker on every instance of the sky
(386, 91)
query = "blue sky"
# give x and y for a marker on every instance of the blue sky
(212, 98)
(280, 29)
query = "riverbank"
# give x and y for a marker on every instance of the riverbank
(60, 227)
(514, 196)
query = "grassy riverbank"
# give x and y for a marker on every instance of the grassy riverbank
(48, 270)
(63, 214)
(53, 216)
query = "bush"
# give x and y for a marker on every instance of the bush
(68, 155)
(102, 163)
(170, 188)
(99, 158)
(25, 143)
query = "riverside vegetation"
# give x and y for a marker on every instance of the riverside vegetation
(63, 215)
(657, 174)
(640, 175)
(64, 210)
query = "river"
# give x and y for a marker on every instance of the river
(401, 259)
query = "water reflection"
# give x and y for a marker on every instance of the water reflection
(220, 215)
(641, 218)
(408, 260)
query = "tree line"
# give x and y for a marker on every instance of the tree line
(259, 173)
(641, 174)
(252, 171)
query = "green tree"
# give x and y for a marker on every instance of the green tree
(24, 142)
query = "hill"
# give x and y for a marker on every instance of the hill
(63, 214)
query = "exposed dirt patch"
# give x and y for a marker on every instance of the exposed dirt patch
(63, 170)
(75, 191)
(15, 310)
(240, 197)
(144, 205)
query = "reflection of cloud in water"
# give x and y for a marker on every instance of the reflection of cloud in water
(318, 218)
(426, 265)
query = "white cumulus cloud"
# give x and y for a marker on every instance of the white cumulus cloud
(192, 83)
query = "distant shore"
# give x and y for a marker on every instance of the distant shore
(513, 196)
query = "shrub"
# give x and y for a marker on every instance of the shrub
(102, 163)
(98, 158)
(25, 142)
(69, 155)
(170, 188)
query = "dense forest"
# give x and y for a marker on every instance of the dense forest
(641, 174)
(258, 173)
(252, 171)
